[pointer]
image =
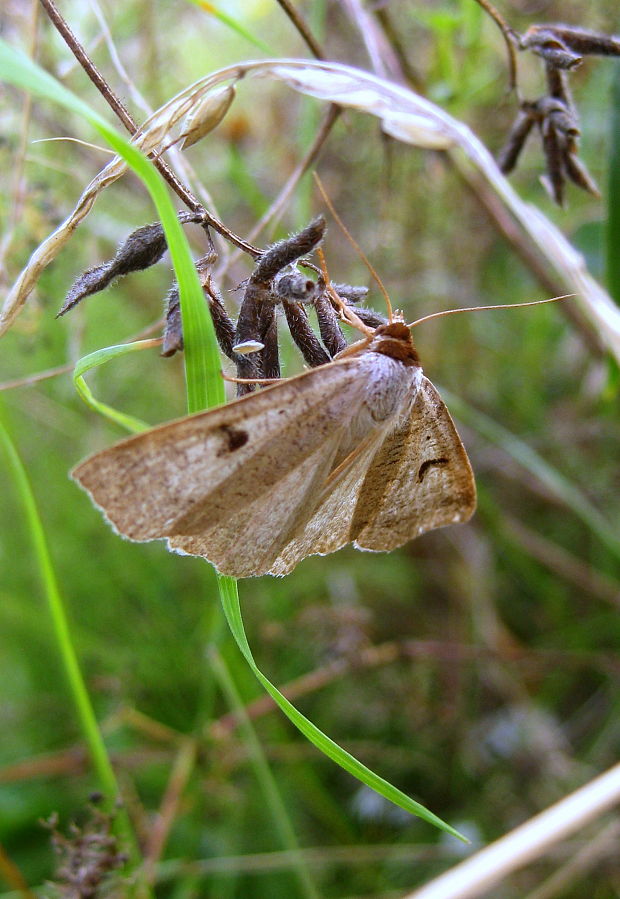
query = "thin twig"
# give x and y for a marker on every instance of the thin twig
(125, 117)
(333, 113)
(602, 847)
(510, 38)
(182, 769)
(303, 29)
(448, 654)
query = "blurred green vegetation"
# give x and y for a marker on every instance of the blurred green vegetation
(477, 668)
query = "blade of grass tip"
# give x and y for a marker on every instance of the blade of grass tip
(100, 357)
(233, 24)
(612, 225)
(263, 775)
(66, 651)
(201, 351)
(532, 462)
(232, 610)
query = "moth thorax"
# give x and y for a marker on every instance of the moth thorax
(395, 340)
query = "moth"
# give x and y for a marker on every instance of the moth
(360, 450)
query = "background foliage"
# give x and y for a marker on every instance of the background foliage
(476, 668)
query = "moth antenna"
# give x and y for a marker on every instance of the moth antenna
(426, 318)
(347, 314)
(355, 246)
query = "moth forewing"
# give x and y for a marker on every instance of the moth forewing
(249, 542)
(170, 479)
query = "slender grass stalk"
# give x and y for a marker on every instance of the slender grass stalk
(612, 225)
(483, 871)
(263, 774)
(66, 652)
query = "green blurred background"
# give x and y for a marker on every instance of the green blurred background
(477, 668)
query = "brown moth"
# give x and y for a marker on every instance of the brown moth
(361, 450)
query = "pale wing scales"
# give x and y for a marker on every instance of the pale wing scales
(151, 482)
(247, 543)
(329, 527)
(419, 480)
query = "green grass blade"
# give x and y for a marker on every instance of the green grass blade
(60, 628)
(100, 357)
(532, 462)
(233, 24)
(230, 598)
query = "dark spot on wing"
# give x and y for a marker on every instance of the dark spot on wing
(427, 464)
(234, 439)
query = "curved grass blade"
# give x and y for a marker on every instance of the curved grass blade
(263, 774)
(100, 357)
(230, 600)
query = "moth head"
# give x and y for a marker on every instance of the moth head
(394, 340)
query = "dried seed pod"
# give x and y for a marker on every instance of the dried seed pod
(295, 287)
(579, 175)
(369, 316)
(173, 329)
(349, 293)
(303, 335)
(270, 359)
(508, 156)
(248, 332)
(329, 327)
(144, 247)
(207, 115)
(585, 42)
(258, 291)
(555, 114)
(286, 251)
(223, 324)
(546, 43)
(557, 86)
(554, 180)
